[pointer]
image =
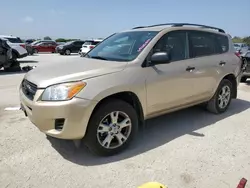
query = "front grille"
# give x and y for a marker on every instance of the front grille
(29, 89)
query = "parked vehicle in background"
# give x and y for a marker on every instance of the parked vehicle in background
(29, 41)
(70, 47)
(29, 49)
(17, 45)
(49, 46)
(246, 60)
(241, 47)
(88, 45)
(7, 61)
(38, 41)
(129, 77)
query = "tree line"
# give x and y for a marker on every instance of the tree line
(241, 40)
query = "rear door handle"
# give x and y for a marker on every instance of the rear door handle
(222, 63)
(190, 69)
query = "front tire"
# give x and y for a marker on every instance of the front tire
(111, 128)
(67, 52)
(35, 51)
(222, 98)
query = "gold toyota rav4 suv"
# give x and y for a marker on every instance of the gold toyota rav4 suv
(131, 76)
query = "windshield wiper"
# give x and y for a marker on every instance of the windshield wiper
(98, 57)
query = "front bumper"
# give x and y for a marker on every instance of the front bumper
(59, 50)
(75, 112)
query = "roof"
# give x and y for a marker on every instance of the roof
(160, 27)
(7, 36)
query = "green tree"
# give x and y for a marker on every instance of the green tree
(246, 40)
(237, 39)
(61, 40)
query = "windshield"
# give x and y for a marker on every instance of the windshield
(35, 42)
(124, 46)
(14, 40)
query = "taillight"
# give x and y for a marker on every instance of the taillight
(23, 45)
(237, 54)
(91, 47)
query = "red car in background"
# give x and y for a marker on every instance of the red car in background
(48, 46)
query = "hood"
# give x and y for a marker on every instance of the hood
(77, 68)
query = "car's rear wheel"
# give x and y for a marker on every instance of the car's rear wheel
(222, 98)
(111, 128)
(67, 52)
(243, 79)
(35, 51)
(61, 53)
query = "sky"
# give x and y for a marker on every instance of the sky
(98, 19)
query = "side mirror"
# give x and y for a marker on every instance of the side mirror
(160, 58)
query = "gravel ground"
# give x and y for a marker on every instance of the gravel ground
(190, 148)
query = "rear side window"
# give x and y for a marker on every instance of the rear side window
(15, 40)
(222, 42)
(201, 44)
(78, 43)
(204, 44)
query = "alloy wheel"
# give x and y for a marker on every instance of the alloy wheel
(114, 129)
(224, 96)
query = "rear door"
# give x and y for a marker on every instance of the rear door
(42, 47)
(206, 61)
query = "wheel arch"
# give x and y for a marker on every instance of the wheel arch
(14, 51)
(127, 96)
(233, 80)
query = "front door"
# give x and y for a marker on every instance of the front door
(169, 85)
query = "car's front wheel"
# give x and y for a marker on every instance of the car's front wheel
(222, 98)
(111, 128)
(67, 52)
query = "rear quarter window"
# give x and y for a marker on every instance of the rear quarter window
(222, 43)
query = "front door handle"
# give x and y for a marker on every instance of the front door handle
(190, 69)
(222, 63)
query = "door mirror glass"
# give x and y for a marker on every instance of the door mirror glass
(160, 58)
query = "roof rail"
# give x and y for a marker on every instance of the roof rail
(183, 24)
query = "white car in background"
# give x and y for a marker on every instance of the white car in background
(88, 45)
(241, 47)
(17, 45)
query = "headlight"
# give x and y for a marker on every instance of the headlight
(62, 92)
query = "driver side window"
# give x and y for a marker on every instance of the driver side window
(174, 43)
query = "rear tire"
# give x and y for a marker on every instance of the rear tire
(14, 67)
(97, 142)
(222, 98)
(35, 51)
(61, 53)
(243, 79)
